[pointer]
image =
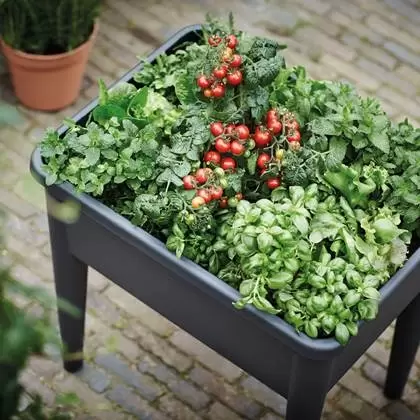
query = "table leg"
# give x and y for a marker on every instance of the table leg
(309, 385)
(70, 276)
(404, 347)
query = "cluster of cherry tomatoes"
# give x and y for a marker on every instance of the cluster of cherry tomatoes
(209, 185)
(227, 73)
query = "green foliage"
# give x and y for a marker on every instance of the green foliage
(47, 26)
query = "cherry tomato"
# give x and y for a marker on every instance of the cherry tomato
(295, 146)
(208, 93)
(227, 55)
(274, 126)
(205, 194)
(242, 131)
(201, 176)
(294, 136)
(230, 128)
(279, 154)
(237, 148)
(212, 156)
(220, 72)
(236, 61)
(219, 172)
(219, 90)
(223, 202)
(262, 138)
(293, 125)
(189, 182)
(251, 144)
(231, 41)
(197, 202)
(216, 128)
(223, 182)
(263, 160)
(239, 196)
(228, 163)
(271, 115)
(273, 183)
(215, 40)
(203, 82)
(263, 171)
(216, 193)
(221, 145)
(233, 202)
(234, 78)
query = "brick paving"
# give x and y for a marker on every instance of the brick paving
(139, 365)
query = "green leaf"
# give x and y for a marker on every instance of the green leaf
(103, 92)
(380, 140)
(182, 169)
(338, 149)
(323, 127)
(140, 100)
(251, 163)
(342, 334)
(102, 113)
(371, 293)
(301, 223)
(184, 89)
(92, 156)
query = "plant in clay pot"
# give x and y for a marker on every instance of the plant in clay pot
(46, 44)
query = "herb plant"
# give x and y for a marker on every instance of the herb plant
(47, 26)
(297, 192)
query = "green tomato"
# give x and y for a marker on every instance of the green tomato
(219, 172)
(233, 202)
(223, 182)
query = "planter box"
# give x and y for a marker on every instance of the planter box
(297, 367)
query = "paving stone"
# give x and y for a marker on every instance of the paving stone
(387, 77)
(317, 6)
(91, 400)
(184, 390)
(351, 72)
(205, 355)
(16, 141)
(403, 54)
(96, 280)
(97, 380)
(159, 347)
(45, 368)
(13, 203)
(375, 372)
(176, 409)
(408, 73)
(405, 9)
(225, 392)
(372, 394)
(398, 411)
(132, 403)
(138, 309)
(270, 416)
(218, 411)
(314, 36)
(412, 107)
(34, 386)
(264, 395)
(102, 307)
(350, 10)
(147, 388)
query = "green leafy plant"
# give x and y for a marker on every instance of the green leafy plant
(47, 26)
(297, 192)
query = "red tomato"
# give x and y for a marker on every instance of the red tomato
(262, 138)
(236, 61)
(234, 78)
(221, 145)
(189, 182)
(227, 55)
(230, 128)
(274, 126)
(293, 136)
(228, 163)
(218, 91)
(203, 82)
(216, 193)
(237, 148)
(293, 125)
(197, 202)
(208, 93)
(215, 40)
(212, 156)
(271, 115)
(223, 202)
(231, 41)
(242, 131)
(216, 128)
(201, 176)
(273, 183)
(220, 72)
(263, 160)
(205, 194)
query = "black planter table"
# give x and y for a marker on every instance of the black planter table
(301, 369)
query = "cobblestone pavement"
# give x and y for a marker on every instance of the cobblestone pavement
(139, 365)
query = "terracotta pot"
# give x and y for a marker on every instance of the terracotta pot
(48, 82)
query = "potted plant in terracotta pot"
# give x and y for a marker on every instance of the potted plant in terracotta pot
(46, 45)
